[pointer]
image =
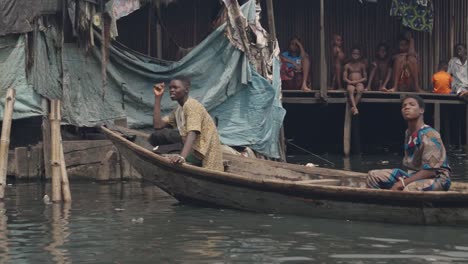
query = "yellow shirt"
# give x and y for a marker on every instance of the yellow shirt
(192, 116)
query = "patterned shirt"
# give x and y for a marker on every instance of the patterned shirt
(424, 150)
(194, 117)
(459, 72)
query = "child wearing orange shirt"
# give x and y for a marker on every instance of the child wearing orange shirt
(442, 80)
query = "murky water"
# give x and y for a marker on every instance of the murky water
(136, 223)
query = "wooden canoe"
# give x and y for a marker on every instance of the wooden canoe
(281, 188)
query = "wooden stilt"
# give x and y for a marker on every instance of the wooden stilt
(5, 138)
(437, 116)
(446, 129)
(347, 131)
(55, 149)
(46, 138)
(64, 176)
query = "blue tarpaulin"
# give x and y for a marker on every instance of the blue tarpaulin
(246, 105)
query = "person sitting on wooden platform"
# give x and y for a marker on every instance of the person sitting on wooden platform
(442, 80)
(355, 75)
(425, 156)
(458, 68)
(380, 70)
(295, 67)
(405, 68)
(196, 128)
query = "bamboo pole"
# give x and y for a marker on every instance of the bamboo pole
(46, 138)
(5, 138)
(64, 176)
(323, 63)
(55, 149)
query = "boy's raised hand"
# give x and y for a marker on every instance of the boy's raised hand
(158, 89)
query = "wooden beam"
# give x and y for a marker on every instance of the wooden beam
(312, 100)
(5, 138)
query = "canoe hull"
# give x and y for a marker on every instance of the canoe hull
(187, 187)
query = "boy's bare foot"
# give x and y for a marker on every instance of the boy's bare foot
(354, 110)
(306, 89)
(394, 89)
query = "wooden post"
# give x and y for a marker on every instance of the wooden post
(158, 31)
(452, 27)
(323, 63)
(46, 138)
(272, 29)
(148, 29)
(64, 176)
(55, 149)
(347, 130)
(437, 116)
(436, 39)
(5, 138)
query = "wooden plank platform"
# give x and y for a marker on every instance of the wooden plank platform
(298, 97)
(339, 97)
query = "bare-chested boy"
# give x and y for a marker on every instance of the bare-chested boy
(405, 67)
(355, 75)
(380, 69)
(338, 58)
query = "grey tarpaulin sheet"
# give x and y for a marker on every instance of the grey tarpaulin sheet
(16, 16)
(13, 74)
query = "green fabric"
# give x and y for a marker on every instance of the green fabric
(193, 160)
(13, 74)
(414, 14)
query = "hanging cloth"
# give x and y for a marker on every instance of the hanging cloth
(415, 14)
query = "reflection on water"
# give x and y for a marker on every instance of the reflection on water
(135, 223)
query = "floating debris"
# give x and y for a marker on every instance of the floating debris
(46, 199)
(138, 220)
